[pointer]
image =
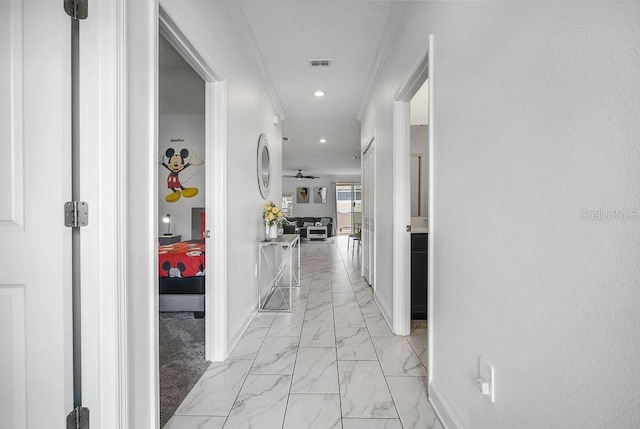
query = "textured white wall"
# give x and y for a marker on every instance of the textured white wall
(536, 118)
(211, 29)
(189, 128)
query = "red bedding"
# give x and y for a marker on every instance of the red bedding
(182, 259)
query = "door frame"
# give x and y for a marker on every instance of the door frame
(369, 241)
(103, 172)
(118, 101)
(421, 70)
(215, 191)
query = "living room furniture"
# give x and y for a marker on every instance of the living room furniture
(278, 272)
(304, 222)
(357, 242)
(317, 232)
(355, 236)
(419, 249)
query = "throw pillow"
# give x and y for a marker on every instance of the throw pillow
(307, 224)
(325, 221)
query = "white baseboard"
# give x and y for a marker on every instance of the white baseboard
(235, 337)
(385, 312)
(443, 409)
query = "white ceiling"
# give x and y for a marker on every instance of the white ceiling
(289, 33)
(283, 35)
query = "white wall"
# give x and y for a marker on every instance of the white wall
(312, 209)
(210, 28)
(189, 128)
(535, 119)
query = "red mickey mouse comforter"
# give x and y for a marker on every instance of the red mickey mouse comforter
(182, 259)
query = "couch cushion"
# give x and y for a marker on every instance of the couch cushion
(296, 220)
(288, 222)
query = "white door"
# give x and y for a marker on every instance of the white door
(35, 246)
(368, 199)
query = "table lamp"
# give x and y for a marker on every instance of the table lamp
(167, 219)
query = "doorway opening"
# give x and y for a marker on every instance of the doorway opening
(413, 200)
(181, 210)
(191, 179)
(348, 208)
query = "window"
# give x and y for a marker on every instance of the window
(344, 195)
(287, 204)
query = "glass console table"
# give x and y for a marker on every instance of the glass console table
(278, 272)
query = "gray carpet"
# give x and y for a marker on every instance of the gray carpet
(181, 359)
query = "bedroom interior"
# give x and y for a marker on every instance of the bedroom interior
(181, 208)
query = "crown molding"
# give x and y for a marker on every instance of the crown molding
(395, 15)
(249, 39)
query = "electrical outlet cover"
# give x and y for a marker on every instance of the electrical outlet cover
(487, 372)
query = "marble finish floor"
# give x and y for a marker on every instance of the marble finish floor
(331, 363)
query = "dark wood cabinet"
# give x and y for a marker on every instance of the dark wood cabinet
(419, 265)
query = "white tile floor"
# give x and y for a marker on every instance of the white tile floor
(331, 363)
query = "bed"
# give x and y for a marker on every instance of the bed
(181, 269)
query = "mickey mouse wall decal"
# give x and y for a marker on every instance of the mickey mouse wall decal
(176, 164)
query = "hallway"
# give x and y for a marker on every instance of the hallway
(331, 363)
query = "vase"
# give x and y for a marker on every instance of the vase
(272, 231)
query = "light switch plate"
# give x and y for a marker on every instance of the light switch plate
(486, 371)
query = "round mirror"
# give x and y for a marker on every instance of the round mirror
(264, 168)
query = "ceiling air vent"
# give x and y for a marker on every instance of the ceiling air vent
(320, 63)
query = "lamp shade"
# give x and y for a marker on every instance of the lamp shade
(167, 219)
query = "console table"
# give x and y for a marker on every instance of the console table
(278, 272)
(317, 232)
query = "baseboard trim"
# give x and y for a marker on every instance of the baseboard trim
(385, 312)
(443, 410)
(233, 339)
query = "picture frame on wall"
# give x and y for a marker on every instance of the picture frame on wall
(302, 195)
(320, 195)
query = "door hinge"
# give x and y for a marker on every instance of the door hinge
(76, 9)
(78, 418)
(76, 214)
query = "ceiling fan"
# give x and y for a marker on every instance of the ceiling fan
(300, 176)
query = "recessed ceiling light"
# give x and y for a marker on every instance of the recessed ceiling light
(319, 93)
(323, 140)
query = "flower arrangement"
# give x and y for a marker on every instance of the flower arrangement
(272, 214)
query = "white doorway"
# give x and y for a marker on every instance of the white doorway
(421, 72)
(215, 190)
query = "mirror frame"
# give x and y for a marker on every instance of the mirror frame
(263, 149)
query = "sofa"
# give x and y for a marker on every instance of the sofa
(292, 223)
